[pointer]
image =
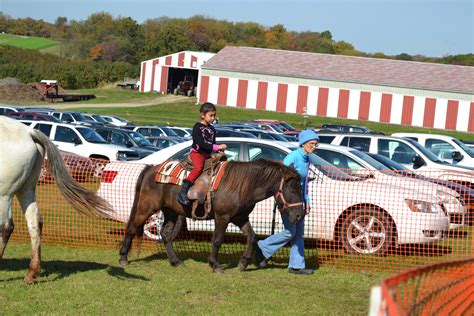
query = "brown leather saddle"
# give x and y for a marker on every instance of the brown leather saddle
(200, 192)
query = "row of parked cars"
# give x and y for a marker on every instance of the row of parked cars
(368, 192)
(361, 199)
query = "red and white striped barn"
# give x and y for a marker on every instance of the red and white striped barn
(162, 74)
(380, 90)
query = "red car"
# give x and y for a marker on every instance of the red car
(80, 168)
(34, 116)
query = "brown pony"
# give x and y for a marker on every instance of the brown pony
(242, 186)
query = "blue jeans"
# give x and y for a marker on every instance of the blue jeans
(291, 232)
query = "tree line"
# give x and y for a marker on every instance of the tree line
(30, 66)
(103, 38)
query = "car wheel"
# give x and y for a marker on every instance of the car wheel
(152, 227)
(367, 232)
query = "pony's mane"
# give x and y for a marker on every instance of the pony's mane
(244, 177)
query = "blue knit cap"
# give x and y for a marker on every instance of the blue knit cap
(306, 136)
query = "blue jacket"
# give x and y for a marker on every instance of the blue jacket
(300, 160)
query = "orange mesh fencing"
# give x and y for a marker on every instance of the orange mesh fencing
(376, 220)
(439, 289)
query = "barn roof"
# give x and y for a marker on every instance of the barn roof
(418, 75)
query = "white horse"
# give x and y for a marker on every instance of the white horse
(22, 152)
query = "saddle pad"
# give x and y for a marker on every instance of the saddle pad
(216, 180)
(171, 172)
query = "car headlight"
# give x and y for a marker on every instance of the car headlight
(121, 156)
(447, 198)
(419, 206)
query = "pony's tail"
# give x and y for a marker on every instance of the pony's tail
(81, 199)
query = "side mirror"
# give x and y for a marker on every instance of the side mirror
(457, 156)
(77, 141)
(129, 144)
(418, 162)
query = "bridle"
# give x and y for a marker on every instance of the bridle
(282, 197)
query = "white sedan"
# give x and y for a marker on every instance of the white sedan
(356, 162)
(366, 217)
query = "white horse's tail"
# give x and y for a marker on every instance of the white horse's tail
(81, 199)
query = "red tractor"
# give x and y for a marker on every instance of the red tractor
(185, 87)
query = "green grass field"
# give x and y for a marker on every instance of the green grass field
(114, 95)
(81, 281)
(29, 42)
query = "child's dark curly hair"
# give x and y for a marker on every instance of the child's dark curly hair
(207, 107)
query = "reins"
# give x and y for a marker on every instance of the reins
(282, 197)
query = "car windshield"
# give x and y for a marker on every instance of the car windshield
(329, 170)
(78, 116)
(464, 147)
(374, 163)
(279, 137)
(139, 139)
(119, 118)
(425, 151)
(287, 126)
(90, 135)
(169, 131)
(99, 118)
(392, 165)
(277, 128)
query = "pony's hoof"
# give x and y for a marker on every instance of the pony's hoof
(218, 270)
(30, 280)
(123, 262)
(242, 266)
(178, 264)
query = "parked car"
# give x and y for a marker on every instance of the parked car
(130, 139)
(83, 141)
(347, 128)
(98, 119)
(402, 150)
(73, 118)
(359, 163)
(284, 126)
(184, 132)
(6, 109)
(34, 116)
(447, 148)
(117, 120)
(80, 168)
(465, 192)
(153, 131)
(264, 134)
(227, 132)
(165, 141)
(344, 208)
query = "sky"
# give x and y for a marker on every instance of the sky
(426, 27)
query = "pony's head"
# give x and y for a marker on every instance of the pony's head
(289, 197)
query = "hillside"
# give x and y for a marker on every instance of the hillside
(29, 42)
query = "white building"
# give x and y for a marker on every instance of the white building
(367, 89)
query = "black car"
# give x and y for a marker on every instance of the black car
(265, 135)
(227, 132)
(127, 138)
